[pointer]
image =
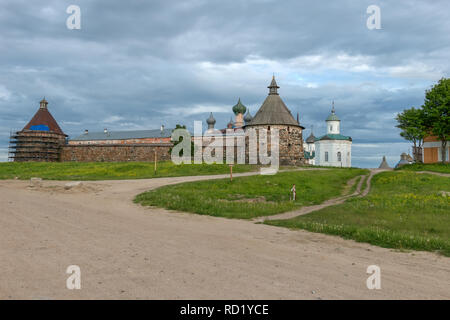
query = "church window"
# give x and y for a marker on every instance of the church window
(339, 156)
(326, 156)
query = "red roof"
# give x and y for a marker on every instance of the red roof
(44, 117)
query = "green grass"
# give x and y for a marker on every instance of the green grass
(110, 170)
(253, 196)
(435, 167)
(403, 210)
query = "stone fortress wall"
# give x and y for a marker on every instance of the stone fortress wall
(116, 152)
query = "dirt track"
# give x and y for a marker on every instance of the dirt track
(126, 251)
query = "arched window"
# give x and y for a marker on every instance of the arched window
(326, 156)
(331, 128)
(339, 156)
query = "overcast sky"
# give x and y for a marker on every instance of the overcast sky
(139, 64)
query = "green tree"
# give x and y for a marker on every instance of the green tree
(411, 122)
(437, 113)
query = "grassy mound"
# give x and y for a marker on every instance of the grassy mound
(403, 210)
(249, 197)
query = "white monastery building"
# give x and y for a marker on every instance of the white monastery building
(310, 149)
(333, 149)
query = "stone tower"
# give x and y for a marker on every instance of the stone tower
(40, 140)
(273, 114)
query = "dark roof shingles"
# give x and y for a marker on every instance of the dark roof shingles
(273, 111)
(44, 117)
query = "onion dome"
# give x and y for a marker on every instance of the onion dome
(248, 117)
(239, 108)
(311, 138)
(333, 116)
(211, 121)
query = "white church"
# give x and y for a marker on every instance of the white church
(332, 149)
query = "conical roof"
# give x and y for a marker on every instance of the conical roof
(384, 164)
(230, 124)
(43, 120)
(273, 110)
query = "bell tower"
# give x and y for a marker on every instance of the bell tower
(333, 122)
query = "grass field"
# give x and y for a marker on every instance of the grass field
(435, 167)
(249, 197)
(403, 210)
(110, 170)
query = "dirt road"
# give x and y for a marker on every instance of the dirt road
(130, 252)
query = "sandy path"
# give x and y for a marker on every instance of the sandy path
(127, 251)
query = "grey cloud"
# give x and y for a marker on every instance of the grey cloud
(139, 61)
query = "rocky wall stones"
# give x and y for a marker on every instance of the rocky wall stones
(109, 153)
